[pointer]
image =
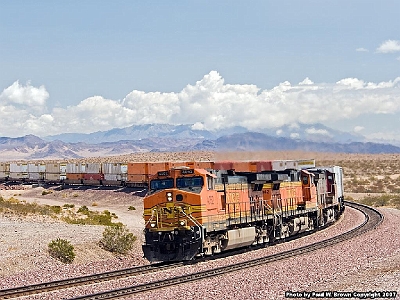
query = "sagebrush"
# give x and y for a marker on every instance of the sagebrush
(117, 239)
(62, 250)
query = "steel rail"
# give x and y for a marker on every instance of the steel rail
(78, 281)
(373, 218)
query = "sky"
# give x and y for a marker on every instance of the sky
(87, 66)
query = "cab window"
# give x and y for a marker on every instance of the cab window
(184, 182)
(160, 184)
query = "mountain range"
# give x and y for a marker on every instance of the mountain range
(165, 137)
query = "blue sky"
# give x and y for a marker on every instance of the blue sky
(84, 66)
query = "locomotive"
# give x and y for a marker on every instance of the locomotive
(191, 212)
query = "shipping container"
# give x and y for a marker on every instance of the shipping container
(93, 168)
(223, 165)
(18, 175)
(55, 177)
(93, 176)
(306, 163)
(112, 177)
(175, 164)
(263, 165)
(36, 176)
(36, 168)
(56, 168)
(4, 167)
(138, 168)
(19, 168)
(114, 168)
(74, 176)
(200, 164)
(154, 167)
(76, 168)
(137, 178)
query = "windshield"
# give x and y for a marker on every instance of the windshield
(160, 184)
(189, 182)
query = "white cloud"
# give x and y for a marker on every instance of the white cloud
(312, 130)
(358, 128)
(362, 50)
(24, 96)
(294, 135)
(389, 46)
(210, 104)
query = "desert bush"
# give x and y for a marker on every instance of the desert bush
(131, 208)
(56, 209)
(46, 192)
(66, 205)
(62, 250)
(117, 239)
(84, 210)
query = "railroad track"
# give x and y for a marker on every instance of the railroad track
(84, 280)
(372, 219)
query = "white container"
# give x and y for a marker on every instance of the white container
(18, 168)
(93, 168)
(76, 168)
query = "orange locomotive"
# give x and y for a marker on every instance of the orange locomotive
(193, 212)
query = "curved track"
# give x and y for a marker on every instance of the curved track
(372, 219)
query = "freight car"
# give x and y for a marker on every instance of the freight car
(133, 174)
(191, 212)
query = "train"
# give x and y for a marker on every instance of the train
(198, 212)
(118, 174)
(131, 174)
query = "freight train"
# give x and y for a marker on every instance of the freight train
(194, 212)
(132, 174)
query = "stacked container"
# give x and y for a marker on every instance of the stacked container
(18, 171)
(56, 172)
(4, 171)
(75, 173)
(93, 174)
(36, 172)
(114, 173)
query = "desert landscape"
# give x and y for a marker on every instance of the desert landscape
(372, 179)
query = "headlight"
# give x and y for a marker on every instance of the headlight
(182, 223)
(169, 196)
(152, 225)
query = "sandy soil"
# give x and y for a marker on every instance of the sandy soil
(27, 237)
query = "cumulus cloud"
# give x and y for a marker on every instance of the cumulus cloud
(389, 46)
(358, 128)
(28, 96)
(209, 104)
(313, 130)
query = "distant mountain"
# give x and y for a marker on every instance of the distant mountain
(31, 147)
(139, 132)
(258, 141)
(314, 133)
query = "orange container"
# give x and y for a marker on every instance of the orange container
(137, 178)
(137, 168)
(223, 165)
(74, 176)
(154, 167)
(200, 164)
